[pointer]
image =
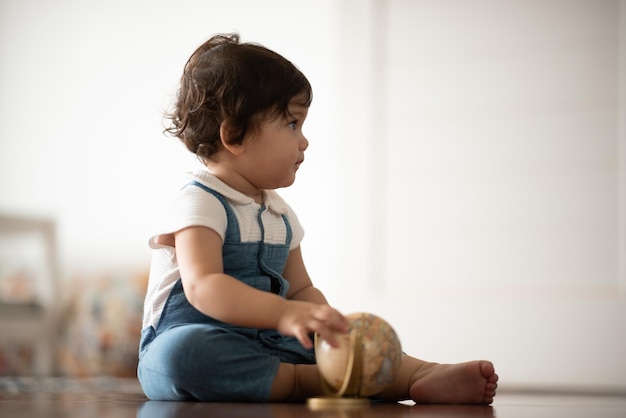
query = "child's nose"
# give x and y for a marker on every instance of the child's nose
(304, 143)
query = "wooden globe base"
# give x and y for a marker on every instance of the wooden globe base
(336, 402)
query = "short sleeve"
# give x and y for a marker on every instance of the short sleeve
(297, 230)
(193, 207)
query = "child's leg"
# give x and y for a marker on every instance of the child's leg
(473, 382)
(464, 383)
(199, 362)
(296, 382)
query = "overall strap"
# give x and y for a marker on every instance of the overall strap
(289, 232)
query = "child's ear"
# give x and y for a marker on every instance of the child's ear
(228, 131)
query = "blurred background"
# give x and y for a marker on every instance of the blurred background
(465, 180)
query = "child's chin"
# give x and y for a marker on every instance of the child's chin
(289, 182)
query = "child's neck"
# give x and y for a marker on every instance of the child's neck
(236, 181)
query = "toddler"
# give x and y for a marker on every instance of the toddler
(230, 308)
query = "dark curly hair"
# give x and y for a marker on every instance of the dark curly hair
(242, 83)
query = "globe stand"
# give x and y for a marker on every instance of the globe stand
(348, 396)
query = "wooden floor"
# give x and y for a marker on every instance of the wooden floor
(130, 403)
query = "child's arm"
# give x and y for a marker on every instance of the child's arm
(300, 284)
(208, 289)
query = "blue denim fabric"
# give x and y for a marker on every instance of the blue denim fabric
(200, 362)
(191, 356)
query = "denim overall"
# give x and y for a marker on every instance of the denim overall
(191, 356)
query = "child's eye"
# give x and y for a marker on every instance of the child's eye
(293, 125)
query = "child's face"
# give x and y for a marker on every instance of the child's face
(274, 152)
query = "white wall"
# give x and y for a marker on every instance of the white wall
(83, 87)
(465, 177)
(490, 184)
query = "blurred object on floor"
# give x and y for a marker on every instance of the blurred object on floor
(28, 295)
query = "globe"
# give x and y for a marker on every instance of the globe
(366, 361)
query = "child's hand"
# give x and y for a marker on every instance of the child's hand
(299, 319)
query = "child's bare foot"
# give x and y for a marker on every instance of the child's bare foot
(474, 382)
